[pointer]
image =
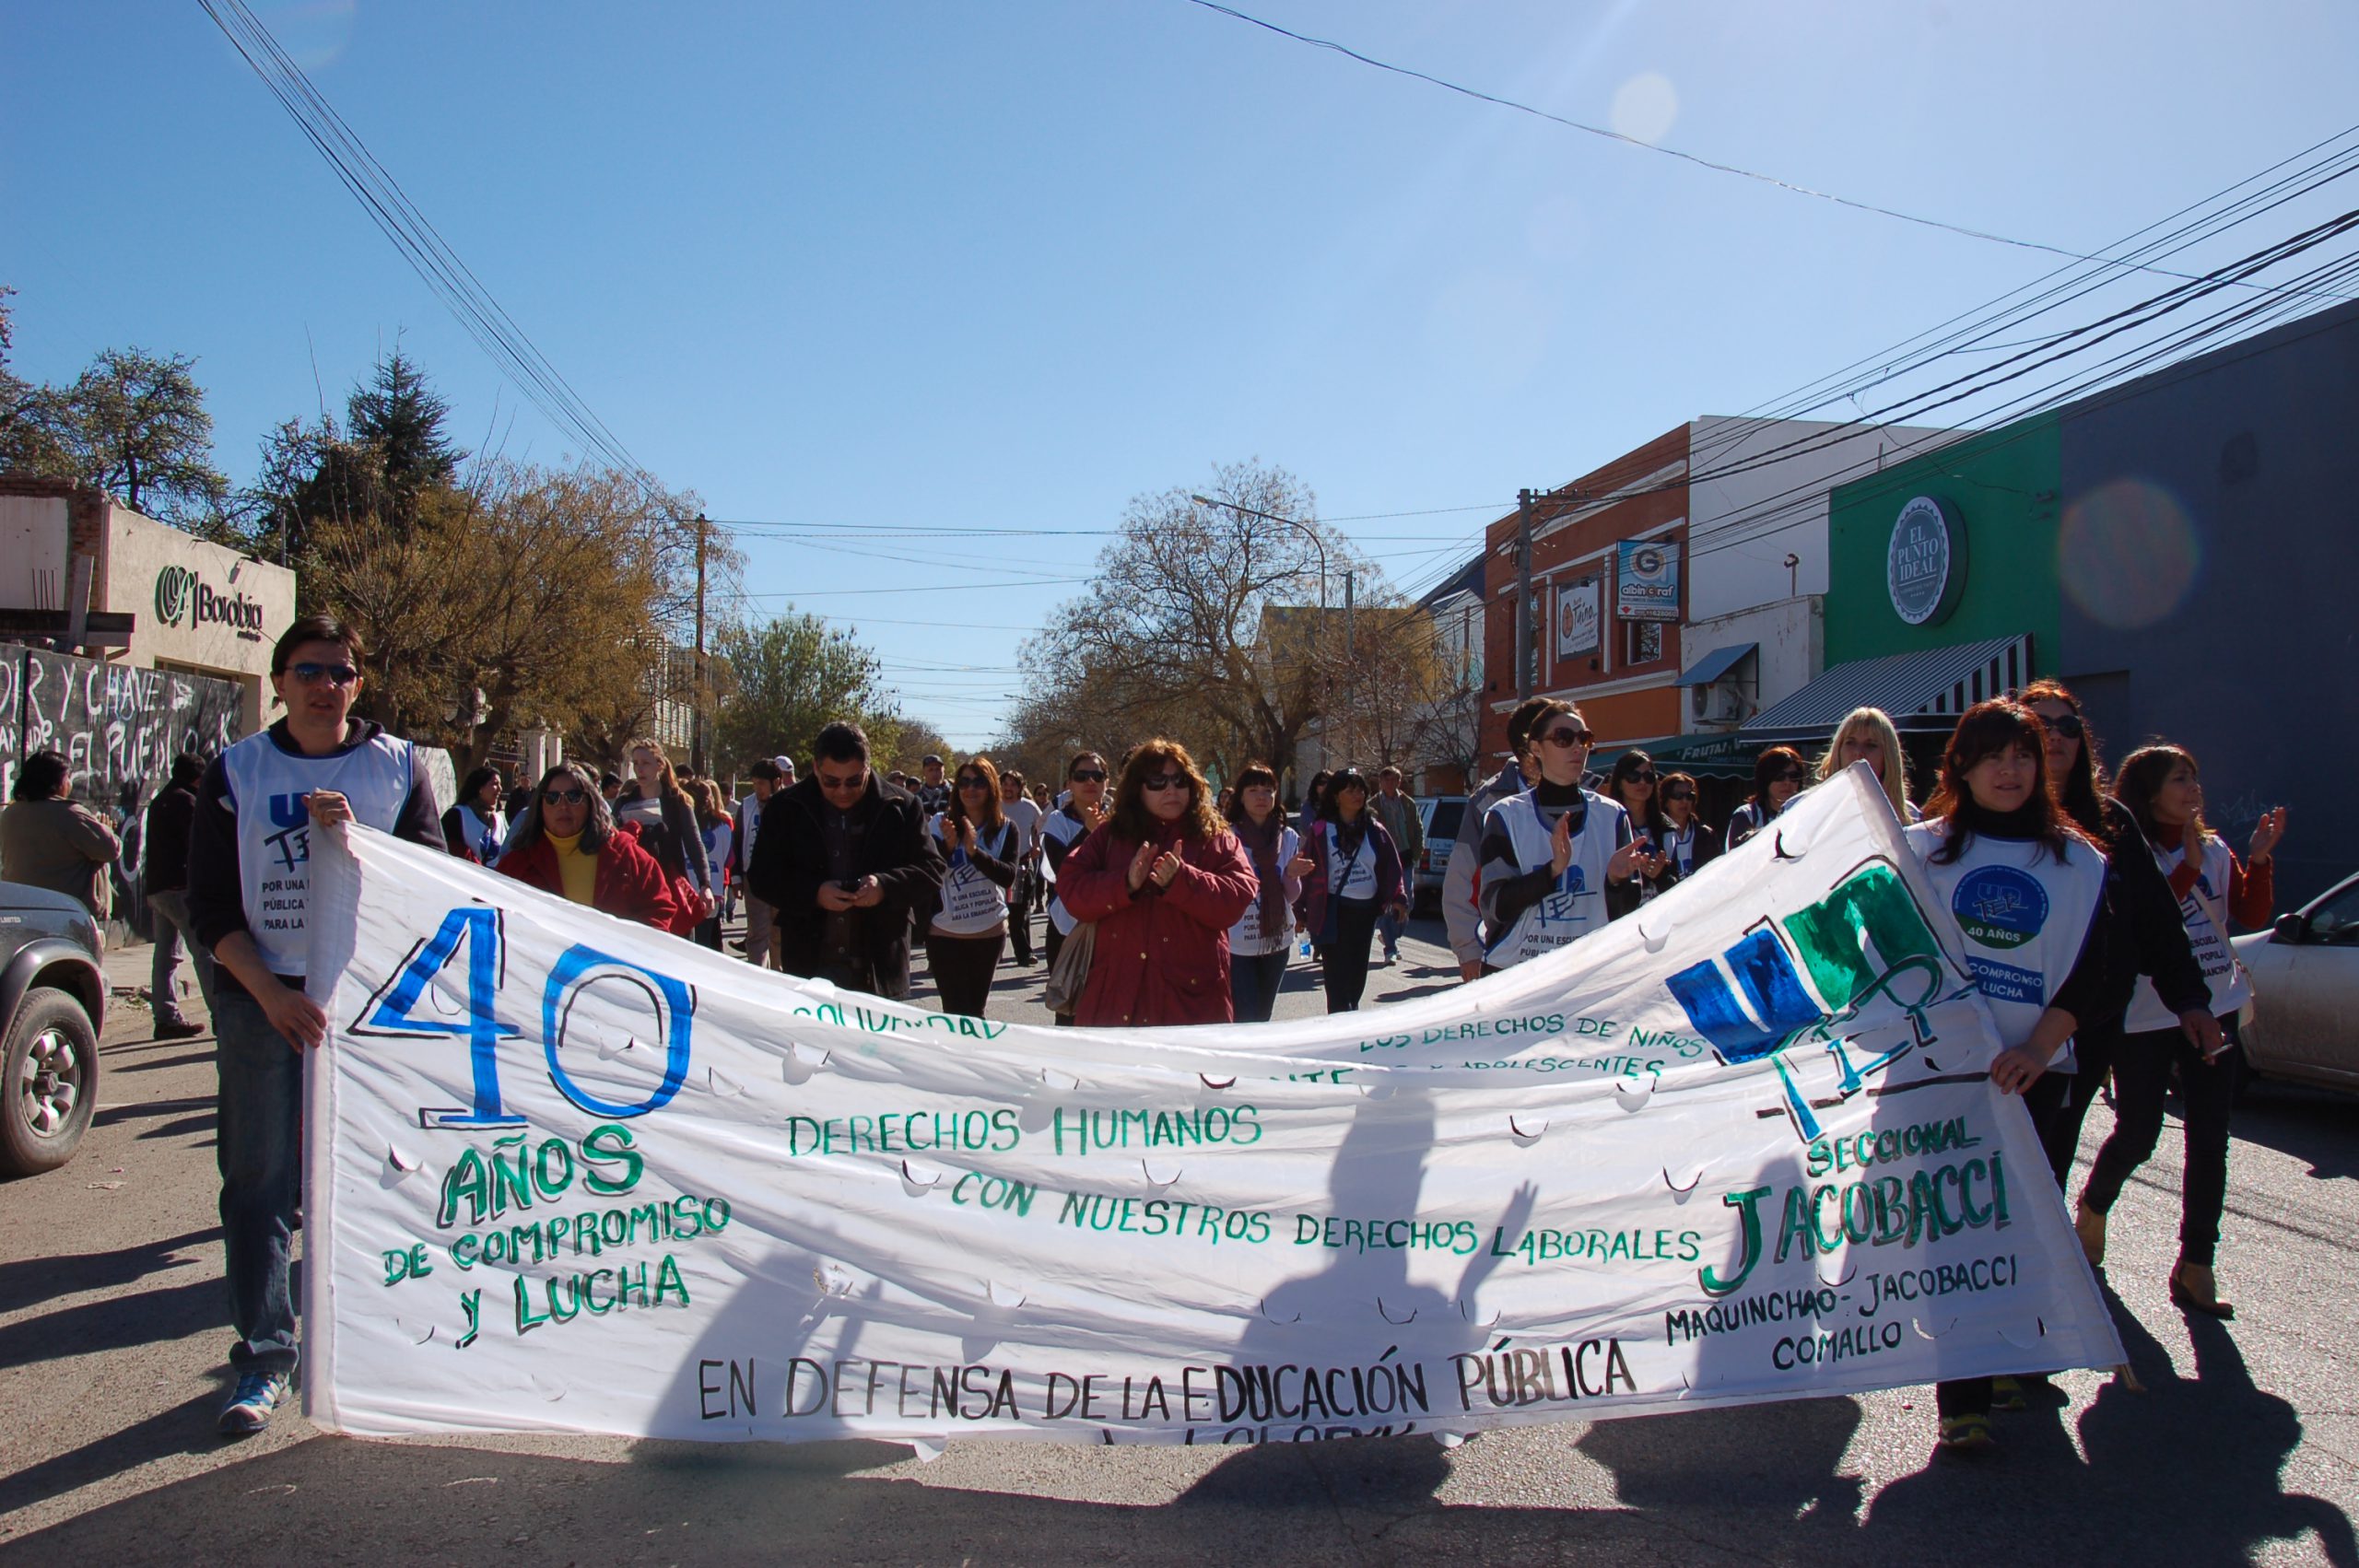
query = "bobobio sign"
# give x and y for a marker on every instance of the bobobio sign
(183, 596)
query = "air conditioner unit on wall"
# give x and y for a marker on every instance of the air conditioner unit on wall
(1720, 703)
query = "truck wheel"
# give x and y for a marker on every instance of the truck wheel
(49, 1083)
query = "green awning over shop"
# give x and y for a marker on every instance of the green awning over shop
(1714, 755)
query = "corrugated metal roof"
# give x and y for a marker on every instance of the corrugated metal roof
(1938, 680)
(1715, 664)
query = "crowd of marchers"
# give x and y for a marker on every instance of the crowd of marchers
(1166, 901)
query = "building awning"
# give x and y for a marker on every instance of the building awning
(1707, 755)
(1921, 691)
(1715, 664)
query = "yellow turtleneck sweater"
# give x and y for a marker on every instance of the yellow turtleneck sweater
(577, 871)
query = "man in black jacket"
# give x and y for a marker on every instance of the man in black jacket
(844, 860)
(167, 835)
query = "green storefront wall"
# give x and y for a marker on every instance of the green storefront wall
(2002, 487)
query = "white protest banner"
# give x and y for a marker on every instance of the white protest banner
(568, 1173)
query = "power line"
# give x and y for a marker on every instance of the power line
(1612, 135)
(428, 255)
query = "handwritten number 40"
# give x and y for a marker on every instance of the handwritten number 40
(476, 931)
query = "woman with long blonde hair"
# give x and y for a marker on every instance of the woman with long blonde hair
(1867, 735)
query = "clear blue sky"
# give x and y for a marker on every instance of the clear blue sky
(1008, 264)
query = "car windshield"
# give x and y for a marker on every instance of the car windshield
(2336, 918)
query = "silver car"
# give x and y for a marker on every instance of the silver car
(1441, 816)
(2305, 1020)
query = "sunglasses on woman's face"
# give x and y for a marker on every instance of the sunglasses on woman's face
(2068, 725)
(1090, 776)
(1567, 736)
(1679, 794)
(573, 797)
(1163, 782)
(1646, 776)
(1790, 778)
(972, 783)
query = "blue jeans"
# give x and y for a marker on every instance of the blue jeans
(260, 1150)
(1253, 983)
(1389, 926)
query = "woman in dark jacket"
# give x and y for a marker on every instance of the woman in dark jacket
(1632, 785)
(2145, 935)
(1164, 879)
(1688, 841)
(475, 827)
(2162, 788)
(1356, 877)
(567, 843)
(1778, 774)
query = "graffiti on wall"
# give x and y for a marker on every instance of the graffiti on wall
(118, 728)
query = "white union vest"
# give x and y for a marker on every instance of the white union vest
(2206, 913)
(1068, 832)
(972, 903)
(2025, 919)
(267, 787)
(1246, 938)
(1576, 907)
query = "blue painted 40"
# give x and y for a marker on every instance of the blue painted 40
(393, 1012)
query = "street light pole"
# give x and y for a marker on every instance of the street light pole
(1316, 543)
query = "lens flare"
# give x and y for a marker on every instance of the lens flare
(2126, 554)
(1644, 106)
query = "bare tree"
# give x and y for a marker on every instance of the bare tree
(1194, 626)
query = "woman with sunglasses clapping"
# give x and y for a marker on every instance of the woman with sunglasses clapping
(1164, 879)
(962, 946)
(1632, 786)
(1776, 778)
(1558, 860)
(566, 843)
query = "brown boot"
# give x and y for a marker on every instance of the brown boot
(2090, 1226)
(2194, 1289)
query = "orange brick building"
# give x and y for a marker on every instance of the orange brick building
(1621, 671)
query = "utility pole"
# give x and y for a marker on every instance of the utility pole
(1351, 669)
(1524, 633)
(696, 749)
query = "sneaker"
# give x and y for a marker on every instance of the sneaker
(2007, 1394)
(248, 1412)
(1965, 1431)
(178, 1029)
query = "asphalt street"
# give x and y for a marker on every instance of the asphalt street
(2242, 1446)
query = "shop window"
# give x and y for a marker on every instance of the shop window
(1641, 642)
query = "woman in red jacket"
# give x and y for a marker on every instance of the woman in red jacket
(1164, 878)
(567, 843)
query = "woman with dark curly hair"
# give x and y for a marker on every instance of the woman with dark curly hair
(2028, 886)
(1164, 879)
(567, 844)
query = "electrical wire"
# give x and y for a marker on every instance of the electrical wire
(1612, 135)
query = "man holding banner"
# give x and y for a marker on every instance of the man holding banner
(250, 850)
